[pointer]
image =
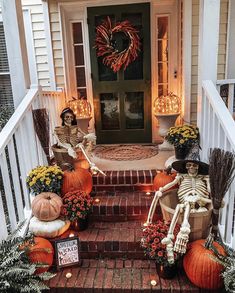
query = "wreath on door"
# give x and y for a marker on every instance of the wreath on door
(105, 47)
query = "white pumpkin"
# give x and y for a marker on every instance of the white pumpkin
(49, 229)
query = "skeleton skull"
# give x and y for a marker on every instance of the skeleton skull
(192, 168)
(68, 118)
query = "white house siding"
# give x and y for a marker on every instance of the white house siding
(39, 40)
(221, 53)
(56, 43)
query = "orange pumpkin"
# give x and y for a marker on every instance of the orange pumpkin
(201, 270)
(41, 252)
(161, 179)
(77, 179)
(46, 206)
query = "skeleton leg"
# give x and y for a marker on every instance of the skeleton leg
(168, 241)
(152, 209)
(183, 235)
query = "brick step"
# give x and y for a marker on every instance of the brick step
(131, 180)
(122, 206)
(112, 239)
(121, 276)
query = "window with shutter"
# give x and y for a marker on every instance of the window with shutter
(6, 97)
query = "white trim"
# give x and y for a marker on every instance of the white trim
(230, 60)
(30, 46)
(187, 59)
(209, 20)
(49, 45)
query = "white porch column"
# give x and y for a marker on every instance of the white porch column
(209, 19)
(230, 60)
(16, 48)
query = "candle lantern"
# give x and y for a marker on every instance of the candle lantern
(166, 110)
(82, 109)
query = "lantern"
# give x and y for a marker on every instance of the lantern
(169, 104)
(81, 107)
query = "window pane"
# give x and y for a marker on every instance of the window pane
(109, 104)
(162, 72)
(134, 110)
(82, 93)
(105, 72)
(81, 79)
(163, 50)
(77, 33)
(79, 55)
(163, 27)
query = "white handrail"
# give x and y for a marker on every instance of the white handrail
(230, 98)
(21, 151)
(217, 129)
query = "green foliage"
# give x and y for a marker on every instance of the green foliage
(16, 271)
(5, 114)
(228, 262)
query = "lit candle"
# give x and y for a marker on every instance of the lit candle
(153, 282)
(68, 275)
(148, 193)
(97, 200)
(71, 235)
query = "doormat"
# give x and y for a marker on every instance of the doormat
(125, 152)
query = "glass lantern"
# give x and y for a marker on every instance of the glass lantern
(169, 104)
(81, 107)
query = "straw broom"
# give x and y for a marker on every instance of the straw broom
(221, 174)
(41, 125)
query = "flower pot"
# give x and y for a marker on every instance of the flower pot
(166, 271)
(79, 224)
(181, 153)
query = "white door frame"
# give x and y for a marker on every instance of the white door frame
(77, 11)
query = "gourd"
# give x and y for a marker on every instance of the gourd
(201, 270)
(76, 179)
(46, 206)
(48, 229)
(162, 178)
(41, 252)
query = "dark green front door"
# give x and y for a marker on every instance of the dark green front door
(122, 100)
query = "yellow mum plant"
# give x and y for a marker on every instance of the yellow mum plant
(45, 179)
(183, 136)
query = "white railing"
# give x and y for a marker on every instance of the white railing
(230, 94)
(217, 129)
(20, 151)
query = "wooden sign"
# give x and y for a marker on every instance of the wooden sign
(67, 252)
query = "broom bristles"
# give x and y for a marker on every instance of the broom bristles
(221, 174)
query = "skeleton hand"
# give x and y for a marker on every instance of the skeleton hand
(95, 169)
(72, 152)
(182, 240)
(90, 137)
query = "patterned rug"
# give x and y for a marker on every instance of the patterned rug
(125, 152)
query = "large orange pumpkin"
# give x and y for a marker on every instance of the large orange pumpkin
(77, 179)
(201, 270)
(41, 252)
(161, 179)
(46, 206)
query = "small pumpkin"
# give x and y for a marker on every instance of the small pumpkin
(41, 252)
(76, 179)
(162, 178)
(46, 206)
(201, 270)
(48, 229)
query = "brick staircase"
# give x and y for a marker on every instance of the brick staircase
(113, 260)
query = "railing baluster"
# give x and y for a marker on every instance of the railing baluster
(229, 214)
(3, 226)
(8, 191)
(16, 181)
(230, 98)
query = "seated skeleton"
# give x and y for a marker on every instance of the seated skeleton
(193, 194)
(71, 137)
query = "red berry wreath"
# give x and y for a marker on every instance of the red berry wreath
(111, 56)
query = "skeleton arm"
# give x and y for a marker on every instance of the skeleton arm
(158, 194)
(208, 184)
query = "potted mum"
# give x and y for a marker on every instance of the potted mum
(183, 138)
(76, 207)
(154, 249)
(45, 179)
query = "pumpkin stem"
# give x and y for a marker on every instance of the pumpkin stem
(168, 170)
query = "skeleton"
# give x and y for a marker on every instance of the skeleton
(71, 137)
(193, 194)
